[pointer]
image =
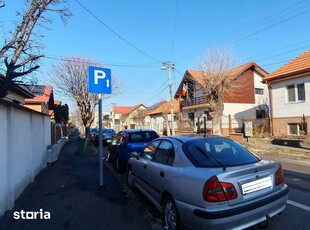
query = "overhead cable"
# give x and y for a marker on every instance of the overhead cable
(115, 33)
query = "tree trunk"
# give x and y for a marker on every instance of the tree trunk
(216, 120)
(168, 127)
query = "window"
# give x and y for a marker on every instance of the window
(142, 136)
(149, 150)
(164, 154)
(209, 118)
(259, 91)
(301, 92)
(191, 117)
(217, 153)
(296, 129)
(296, 92)
(261, 113)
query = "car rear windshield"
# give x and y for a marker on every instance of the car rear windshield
(219, 152)
(108, 131)
(142, 136)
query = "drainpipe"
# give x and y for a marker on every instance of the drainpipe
(271, 107)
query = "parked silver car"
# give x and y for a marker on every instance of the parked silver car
(205, 182)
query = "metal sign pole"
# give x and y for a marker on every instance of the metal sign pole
(100, 81)
(100, 141)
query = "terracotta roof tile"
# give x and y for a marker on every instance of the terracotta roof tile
(165, 107)
(234, 71)
(125, 109)
(300, 64)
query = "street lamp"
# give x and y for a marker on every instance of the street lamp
(170, 66)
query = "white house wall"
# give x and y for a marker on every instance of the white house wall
(261, 99)
(157, 123)
(281, 108)
(239, 113)
(21, 162)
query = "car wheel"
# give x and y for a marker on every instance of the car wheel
(130, 178)
(170, 215)
(109, 156)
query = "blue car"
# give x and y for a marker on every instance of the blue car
(127, 141)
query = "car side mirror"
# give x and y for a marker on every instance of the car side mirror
(135, 154)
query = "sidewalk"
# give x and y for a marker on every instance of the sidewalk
(69, 191)
(265, 146)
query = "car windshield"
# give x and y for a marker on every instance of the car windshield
(94, 130)
(108, 131)
(219, 152)
(142, 136)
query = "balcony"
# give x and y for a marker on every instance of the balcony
(194, 102)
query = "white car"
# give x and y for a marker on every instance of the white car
(206, 182)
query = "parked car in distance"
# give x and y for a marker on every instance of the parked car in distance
(126, 142)
(107, 134)
(208, 182)
(93, 132)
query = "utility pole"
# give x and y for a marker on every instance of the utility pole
(168, 65)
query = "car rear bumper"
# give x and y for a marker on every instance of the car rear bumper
(235, 217)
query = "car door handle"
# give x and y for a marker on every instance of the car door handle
(144, 166)
(162, 174)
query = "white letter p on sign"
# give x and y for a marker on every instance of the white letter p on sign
(99, 74)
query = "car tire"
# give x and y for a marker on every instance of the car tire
(109, 156)
(171, 218)
(130, 178)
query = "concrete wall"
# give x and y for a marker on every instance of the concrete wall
(285, 112)
(282, 108)
(24, 138)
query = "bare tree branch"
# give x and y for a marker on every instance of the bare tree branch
(20, 51)
(216, 80)
(70, 78)
(2, 3)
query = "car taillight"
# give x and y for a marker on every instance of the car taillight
(279, 175)
(215, 191)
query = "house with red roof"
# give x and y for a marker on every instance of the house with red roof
(289, 88)
(246, 100)
(128, 117)
(160, 116)
(43, 100)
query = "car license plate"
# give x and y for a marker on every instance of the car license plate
(256, 185)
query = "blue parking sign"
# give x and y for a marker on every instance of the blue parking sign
(99, 80)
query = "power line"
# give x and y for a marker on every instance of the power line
(276, 24)
(281, 48)
(266, 19)
(115, 33)
(283, 53)
(99, 63)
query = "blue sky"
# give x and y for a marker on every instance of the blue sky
(146, 33)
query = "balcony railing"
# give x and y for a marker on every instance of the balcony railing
(194, 101)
